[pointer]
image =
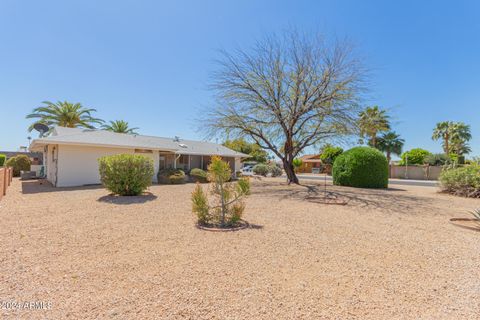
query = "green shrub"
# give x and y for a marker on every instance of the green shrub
(198, 175)
(19, 163)
(3, 158)
(461, 181)
(361, 167)
(126, 174)
(329, 153)
(261, 169)
(171, 176)
(437, 159)
(415, 156)
(274, 170)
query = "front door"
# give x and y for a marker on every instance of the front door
(161, 164)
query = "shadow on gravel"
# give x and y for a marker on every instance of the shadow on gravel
(390, 200)
(125, 200)
(42, 186)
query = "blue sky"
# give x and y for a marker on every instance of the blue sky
(149, 62)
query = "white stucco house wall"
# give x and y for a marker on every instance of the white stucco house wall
(71, 154)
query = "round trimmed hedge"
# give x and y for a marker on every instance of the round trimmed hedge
(361, 167)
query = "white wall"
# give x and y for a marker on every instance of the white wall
(78, 165)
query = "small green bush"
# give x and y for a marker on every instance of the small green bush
(461, 181)
(126, 174)
(198, 175)
(3, 158)
(274, 170)
(19, 163)
(415, 156)
(361, 167)
(171, 176)
(261, 169)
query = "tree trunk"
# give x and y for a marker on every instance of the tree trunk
(447, 147)
(388, 157)
(374, 140)
(290, 171)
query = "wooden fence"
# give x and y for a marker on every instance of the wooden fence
(6, 175)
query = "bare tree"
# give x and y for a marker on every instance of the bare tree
(286, 94)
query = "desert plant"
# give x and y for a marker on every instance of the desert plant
(454, 136)
(3, 158)
(274, 170)
(361, 167)
(461, 181)
(198, 175)
(171, 176)
(227, 207)
(19, 163)
(261, 169)
(437, 159)
(329, 153)
(414, 156)
(126, 174)
(476, 213)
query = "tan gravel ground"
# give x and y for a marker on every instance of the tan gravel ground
(388, 254)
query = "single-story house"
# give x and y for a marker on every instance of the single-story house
(71, 154)
(311, 163)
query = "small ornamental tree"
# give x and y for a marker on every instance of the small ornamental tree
(226, 206)
(126, 174)
(297, 163)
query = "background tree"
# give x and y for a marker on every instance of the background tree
(454, 136)
(329, 153)
(64, 114)
(443, 131)
(390, 143)
(372, 121)
(460, 135)
(414, 156)
(253, 149)
(119, 126)
(297, 163)
(287, 89)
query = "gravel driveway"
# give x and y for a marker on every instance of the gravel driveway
(387, 254)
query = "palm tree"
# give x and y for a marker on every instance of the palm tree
(390, 143)
(372, 121)
(454, 135)
(119, 126)
(64, 114)
(443, 131)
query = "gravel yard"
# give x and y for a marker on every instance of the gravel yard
(387, 254)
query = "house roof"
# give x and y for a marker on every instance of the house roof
(311, 158)
(102, 138)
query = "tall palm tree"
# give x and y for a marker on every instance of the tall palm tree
(372, 121)
(459, 139)
(390, 143)
(64, 114)
(454, 135)
(443, 131)
(119, 126)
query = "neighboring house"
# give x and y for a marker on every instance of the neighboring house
(35, 157)
(71, 154)
(311, 163)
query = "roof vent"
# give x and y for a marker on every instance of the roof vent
(183, 145)
(176, 139)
